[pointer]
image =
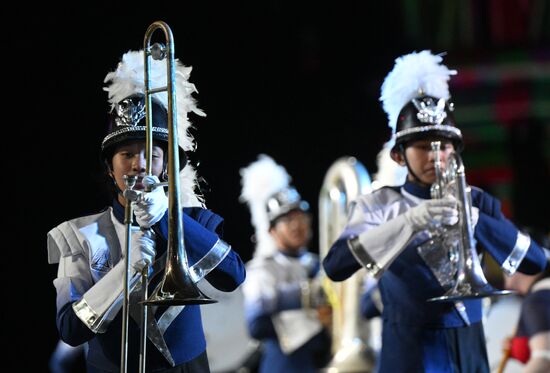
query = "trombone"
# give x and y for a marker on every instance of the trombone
(177, 286)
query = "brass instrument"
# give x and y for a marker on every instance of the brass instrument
(346, 179)
(470, 281)
(176, 287)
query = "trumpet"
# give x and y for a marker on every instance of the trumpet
(177, 287)
(469, 280)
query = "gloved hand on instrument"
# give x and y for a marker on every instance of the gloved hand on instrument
(142, 252)
(151, 206)
(433, 213)
(104, 296)
(377, 247)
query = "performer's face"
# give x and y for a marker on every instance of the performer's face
(292, 231)
(129, 159)
(421, 159)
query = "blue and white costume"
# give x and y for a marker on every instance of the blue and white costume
(90, 280)
(280, 295)
(293, 338)
(88, 249)
(421, 336)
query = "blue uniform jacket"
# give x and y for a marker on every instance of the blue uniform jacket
(408, 282)
(312, 354)
(184, 337)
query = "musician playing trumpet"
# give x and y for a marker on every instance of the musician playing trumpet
(391, 232)
(90, 249)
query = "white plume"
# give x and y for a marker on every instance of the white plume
(128, 79)
(389, 173)
(412, 75)
(260, 180)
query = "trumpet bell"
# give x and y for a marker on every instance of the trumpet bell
(471, 284)
(464, 291)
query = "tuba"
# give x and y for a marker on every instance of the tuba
(177, 286)
(469, 280)
(346, 179)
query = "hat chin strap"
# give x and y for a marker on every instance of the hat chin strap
(117, 189)
(110, 173)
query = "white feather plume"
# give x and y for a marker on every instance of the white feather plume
(389, 173)
(128, 79)
(412, 75)
(260, 180)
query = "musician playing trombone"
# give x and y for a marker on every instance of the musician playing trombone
(90, 249)
(284, 304)
(399, 233)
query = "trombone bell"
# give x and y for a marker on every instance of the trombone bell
(177, 289)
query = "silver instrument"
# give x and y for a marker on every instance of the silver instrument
(177, 286)
(469, 280)
(345, 180)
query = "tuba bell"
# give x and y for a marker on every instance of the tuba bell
(469, 280)
(346, 179)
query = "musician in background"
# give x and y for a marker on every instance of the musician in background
(284, 303)
(90, 249)
(388, 233)
(531, 342)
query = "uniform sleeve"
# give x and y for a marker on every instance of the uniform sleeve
(203, 242)
(370, 303)
(261, 327)
(511, 248)
(371, 238)
(339, 263)
(265, 297)
(73, 280)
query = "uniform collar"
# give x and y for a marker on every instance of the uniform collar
(417, 190)
(296, 254)
(119, 212)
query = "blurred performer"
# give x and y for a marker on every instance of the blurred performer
(283, 297)
(388, 230)
(90, 249)
(531, 343)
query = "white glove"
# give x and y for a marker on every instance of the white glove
(142, 252)
(475, 216)
(383, 243)
(101, 302)
(150, 207)
(433, 213)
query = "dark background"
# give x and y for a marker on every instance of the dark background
(298, 81)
